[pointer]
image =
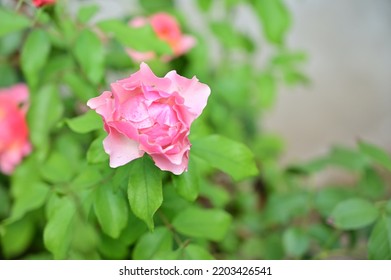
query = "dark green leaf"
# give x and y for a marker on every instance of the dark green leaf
(379, 244)
(16, 236)
(88, 122)
(371, 184)
(145, 189)
(211, 224)
(151, 243)
(353, 213)
(89, 53)
(34, 55)
(11, 21)
(229, 156)
(111, 209)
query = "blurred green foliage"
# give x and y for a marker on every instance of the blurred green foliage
(235, 202)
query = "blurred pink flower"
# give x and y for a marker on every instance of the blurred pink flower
(168, 30)
(148, 114)
(14, 143)
(41, 3)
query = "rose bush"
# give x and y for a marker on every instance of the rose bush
(14, 143)
(168, 30)
(148, 114)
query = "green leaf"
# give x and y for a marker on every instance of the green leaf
(376, 154)
(34, 55)
(17, 236)
(79, 86)
(5, 202)
(96, 153)
(229, 156)
(379, 244)
(267, 90)
(187, 184)
(196, 252)
(111, 209)
(327, 198)
(354, 213)
(140, 39)
(11, 21)
(204, 5)
(33, 196)
(57, 169)
(211, 224)
(45, 110)
(89, 53)
(347, 158)
(9, 76)
(88, 122)
(57, 233)
(371, 184)
(275, 19)
(87, 12)
(296, 242)
(152, 243)
(145, 189)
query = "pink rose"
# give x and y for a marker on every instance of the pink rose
(168, 30)
(14, 143)
(148, 114)
(41, 3)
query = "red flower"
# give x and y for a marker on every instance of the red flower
(41, 3)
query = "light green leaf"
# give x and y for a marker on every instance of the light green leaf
(87, 12)
(187, 184)
(204, 5)
(296, 242)
(88, 122)
(140, 39)
(11, 21)
(111, 209)
(229, 156)
(145, 189)
(32, 197)
(34, 55)
(45, 110)
(57, 168)
(354, 213)
(152, 243)
(96, 153)
(327, 198)
(275, 19)
(211, 224)
(58, 231)
(376, 154)
(79, 86)
(196, 252)
(379, 244)
(267, 90)
(89, 53)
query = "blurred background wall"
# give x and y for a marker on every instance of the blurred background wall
(349, 47)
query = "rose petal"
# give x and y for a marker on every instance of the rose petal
(120, 148)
